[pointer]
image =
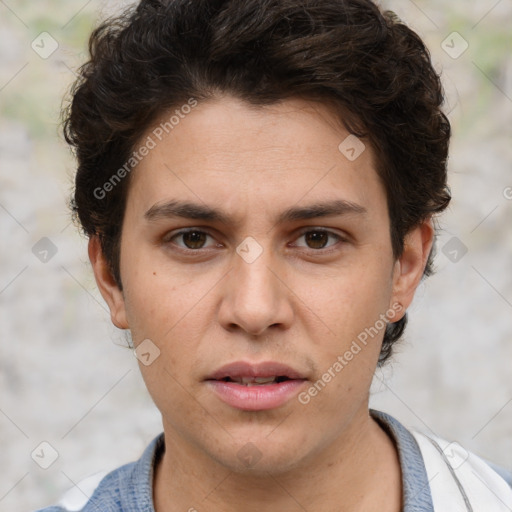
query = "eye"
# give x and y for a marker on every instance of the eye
(317, 239)
(193, 239)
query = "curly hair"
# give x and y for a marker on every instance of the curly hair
(373, 70)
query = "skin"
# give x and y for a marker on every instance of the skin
(300, 303)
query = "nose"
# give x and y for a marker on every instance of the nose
(255, 296)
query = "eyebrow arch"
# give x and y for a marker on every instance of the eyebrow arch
(189, 210)
(321, 209)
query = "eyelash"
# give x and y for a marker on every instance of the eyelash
(168, 240)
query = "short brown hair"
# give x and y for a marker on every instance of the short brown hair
(374, 70)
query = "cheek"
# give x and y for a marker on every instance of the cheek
(348, 352)
(348, 339)
(351, 299)
(161, 312)
(158, 296)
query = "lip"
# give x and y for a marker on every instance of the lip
(240, 369)
(257, 397)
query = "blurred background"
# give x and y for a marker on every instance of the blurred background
(67, 379)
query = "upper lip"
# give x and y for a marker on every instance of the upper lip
(240, 369)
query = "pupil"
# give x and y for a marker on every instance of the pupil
(194, 239)
(316, 238)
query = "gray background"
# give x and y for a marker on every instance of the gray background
(65, 376)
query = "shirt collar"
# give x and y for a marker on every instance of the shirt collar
(415, 484)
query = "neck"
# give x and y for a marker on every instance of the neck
(359, 471)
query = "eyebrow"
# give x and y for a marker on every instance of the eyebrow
(196, 211)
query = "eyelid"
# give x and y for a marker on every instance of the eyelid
(340, 238)
(168, 237)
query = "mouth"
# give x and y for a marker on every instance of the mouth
(256, 381)
(255, 387)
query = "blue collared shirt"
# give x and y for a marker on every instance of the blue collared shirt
(129, 488)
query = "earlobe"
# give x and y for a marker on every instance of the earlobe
(410, 266)
(107, 285)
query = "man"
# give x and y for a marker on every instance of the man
(259, 181)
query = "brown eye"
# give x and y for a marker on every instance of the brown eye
(317, 239)
(194, 239)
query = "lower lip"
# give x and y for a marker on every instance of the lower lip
(256, 398)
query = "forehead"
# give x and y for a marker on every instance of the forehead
(233, 154)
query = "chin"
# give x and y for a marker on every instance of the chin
(262, 455)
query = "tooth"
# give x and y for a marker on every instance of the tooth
(264, 380)
(253, 381)
(257, 381)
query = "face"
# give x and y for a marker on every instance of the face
(256, 259)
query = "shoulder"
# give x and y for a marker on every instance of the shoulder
(456, 456)
(444, 474)
(504, 473)
(127, 488)
(76, 498)
(456, 472)
(101, 491)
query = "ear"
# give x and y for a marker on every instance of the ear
(107, 284)
(409, 267)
